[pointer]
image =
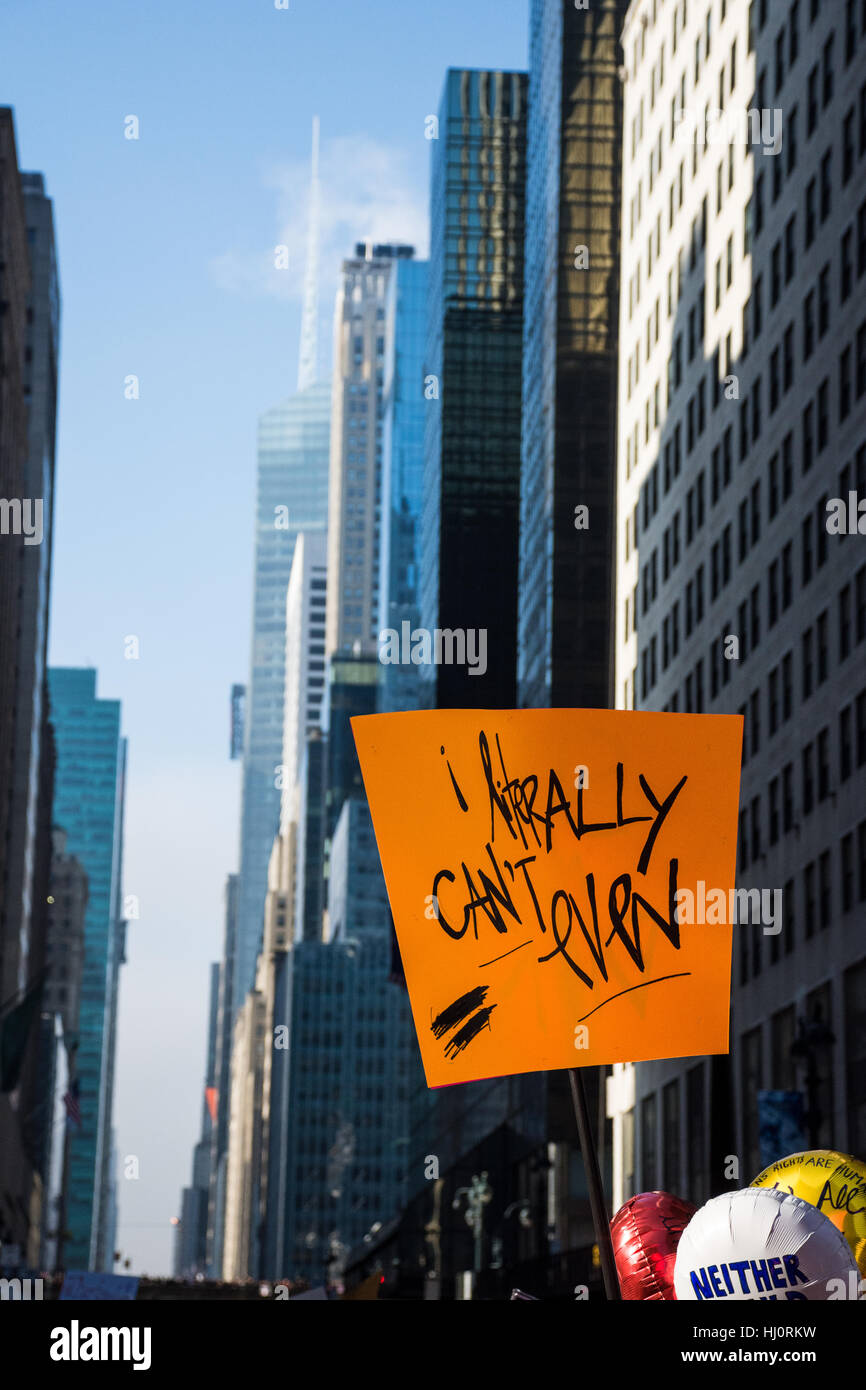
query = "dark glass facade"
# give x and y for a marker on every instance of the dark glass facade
(88, 804)
(473, 376)
(570, 355)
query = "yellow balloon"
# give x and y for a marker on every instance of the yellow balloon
(835, 1183)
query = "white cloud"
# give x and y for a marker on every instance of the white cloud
(367, 190)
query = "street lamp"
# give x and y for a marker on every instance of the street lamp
(478, 1194)
(814, 1037)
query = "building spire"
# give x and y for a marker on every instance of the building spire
(308, 357)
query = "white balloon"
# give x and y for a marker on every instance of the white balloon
(761, 1243)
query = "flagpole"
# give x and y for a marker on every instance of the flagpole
(596, 1190)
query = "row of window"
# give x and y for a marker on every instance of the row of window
(661, 1151)
(736, 643)
(814, 537)
(816, 902)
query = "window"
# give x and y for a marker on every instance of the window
(773, 593)
(823, 414)
(822, 647)
(845, 763)
(773, 486)
(806, 551)
(809, 225)
(846, 874)
(826, 184)
(808, 778)
(846, 264)
(844, 383)
(824, 300)
(775, 274)
(791, 141)
(827, 72)
(825, 893)
(788, 796)
(844, 622)
(787, 685)
(787, 576)
(812, 109)
(847, 146)
(808, 325)
(806, 665)
(823, 756)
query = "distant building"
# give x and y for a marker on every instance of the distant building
(89, 797)
(305, 680)
(350, 1057)
(61, 1003)
(473, 370)
(292, 496)
(192, 1242)
(65, 941)
(570, 332)
(245, 1138)
(357, 424)
(222, 1084)
(309, 852)
(28, 391)
(236, 741)
(404, 408)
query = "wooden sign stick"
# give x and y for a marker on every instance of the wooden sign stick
(596, 1191)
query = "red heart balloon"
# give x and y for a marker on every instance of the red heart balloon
(646, 1233)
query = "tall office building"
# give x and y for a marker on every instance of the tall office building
(61, 1005)
(570, 325)
(14, 462)
(292, 496)
(306, 601)
(192, 1245)
(742, 415)
(222, 1084)
(355, 499)
(88, 804)
(309, 881)
(473, 380)
(404, 409)
(28, 393)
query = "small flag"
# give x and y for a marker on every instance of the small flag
(73, 1108)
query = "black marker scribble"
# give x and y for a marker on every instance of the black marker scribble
(485, 963)
(642, 985)
(469, 1031)
(461, 799)
(460, 1009)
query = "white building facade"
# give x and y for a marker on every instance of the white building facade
(742, 415)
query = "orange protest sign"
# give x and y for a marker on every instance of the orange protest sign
(542, 868)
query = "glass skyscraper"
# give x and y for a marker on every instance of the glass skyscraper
(569, 360)
(292, 496)
(404, 409)
(350, 1061)
(88, 805)
(473, 376)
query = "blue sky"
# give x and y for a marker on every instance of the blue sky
(166, 252)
